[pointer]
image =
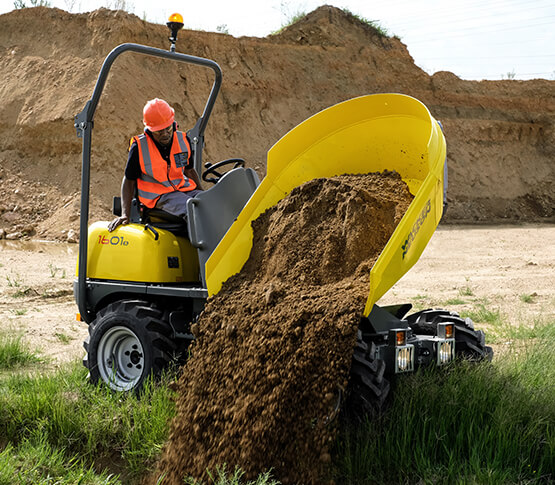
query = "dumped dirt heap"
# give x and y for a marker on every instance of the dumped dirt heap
(275, 344)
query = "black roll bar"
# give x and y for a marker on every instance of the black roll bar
(84, 125)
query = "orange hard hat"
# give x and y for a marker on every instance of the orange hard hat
(157, 114)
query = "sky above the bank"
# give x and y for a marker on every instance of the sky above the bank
(497, 39)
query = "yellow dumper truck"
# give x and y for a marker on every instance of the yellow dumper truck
(141, 287)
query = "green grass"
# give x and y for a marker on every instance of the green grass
(222, 477)
(54, 271)
(466, 291)
(19, 311)
(62, 337)
(490, 424)
(481, 314)
(455, 301)
(14, 281)
(13, 352)
(537, 329)
(69, 425)
(486, 423)
(526, 298)
(370, 23)
(290, 20)
(36, 462)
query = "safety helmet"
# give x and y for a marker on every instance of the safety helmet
(157, 115)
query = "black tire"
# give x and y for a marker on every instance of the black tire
(128, 341)
(368, 388)
(470, 344)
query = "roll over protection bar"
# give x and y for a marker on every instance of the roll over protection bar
(84, 124)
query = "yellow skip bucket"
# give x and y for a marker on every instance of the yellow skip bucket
(362, 135)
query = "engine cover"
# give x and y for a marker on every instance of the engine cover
(133, 253)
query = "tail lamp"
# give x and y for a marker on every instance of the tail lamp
(446, 343)
(404, 353)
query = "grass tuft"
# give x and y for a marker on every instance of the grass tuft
(455, 301)
(13, 353)
(222, 477)
(369, 23)
(70, 418)
(526, 298)
(481, 314)
(472, 424)
(466, 291)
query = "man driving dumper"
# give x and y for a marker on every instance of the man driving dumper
(158, 165)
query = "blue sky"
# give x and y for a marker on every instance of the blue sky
(475, 39)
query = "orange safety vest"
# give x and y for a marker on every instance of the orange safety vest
(157, 176)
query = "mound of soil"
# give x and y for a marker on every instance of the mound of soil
(500, 136)
(275, 345)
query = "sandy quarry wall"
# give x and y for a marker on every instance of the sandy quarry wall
(501, 141)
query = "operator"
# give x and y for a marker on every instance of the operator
(159, 165)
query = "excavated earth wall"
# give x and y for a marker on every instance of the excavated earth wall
(500, 136)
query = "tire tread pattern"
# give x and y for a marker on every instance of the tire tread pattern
(148, 322)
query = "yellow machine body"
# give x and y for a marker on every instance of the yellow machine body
(363, 135)
(131, 253)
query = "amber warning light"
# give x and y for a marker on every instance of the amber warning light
(400, 337)
(175, 24)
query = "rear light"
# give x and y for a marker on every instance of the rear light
(445, 330)
(446, 343)
(404, 353)
(397, 337)
(400, 338)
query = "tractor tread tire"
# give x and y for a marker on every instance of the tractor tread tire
(368, 388)
(470, 344)
(144, 322)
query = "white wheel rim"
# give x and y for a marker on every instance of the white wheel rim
(120, 358)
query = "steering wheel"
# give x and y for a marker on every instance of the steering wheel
(213, 169)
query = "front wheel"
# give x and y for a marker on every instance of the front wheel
(368, 388)
(128, 341)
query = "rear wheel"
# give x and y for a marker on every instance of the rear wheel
(470, 344)
(368, 388)
(128, 341)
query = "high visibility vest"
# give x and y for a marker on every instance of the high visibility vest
(157, 176)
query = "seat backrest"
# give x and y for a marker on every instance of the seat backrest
(212, 212)
(135, 215)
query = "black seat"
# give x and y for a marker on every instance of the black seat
(164, 220)
(154, 217)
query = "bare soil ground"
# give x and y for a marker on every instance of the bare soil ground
(510, 269)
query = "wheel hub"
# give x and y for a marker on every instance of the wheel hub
(120, 358)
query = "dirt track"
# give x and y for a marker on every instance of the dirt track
(494, 266)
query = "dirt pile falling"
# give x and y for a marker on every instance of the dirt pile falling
(275, 345)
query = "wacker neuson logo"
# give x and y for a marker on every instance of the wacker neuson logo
(416, 227)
